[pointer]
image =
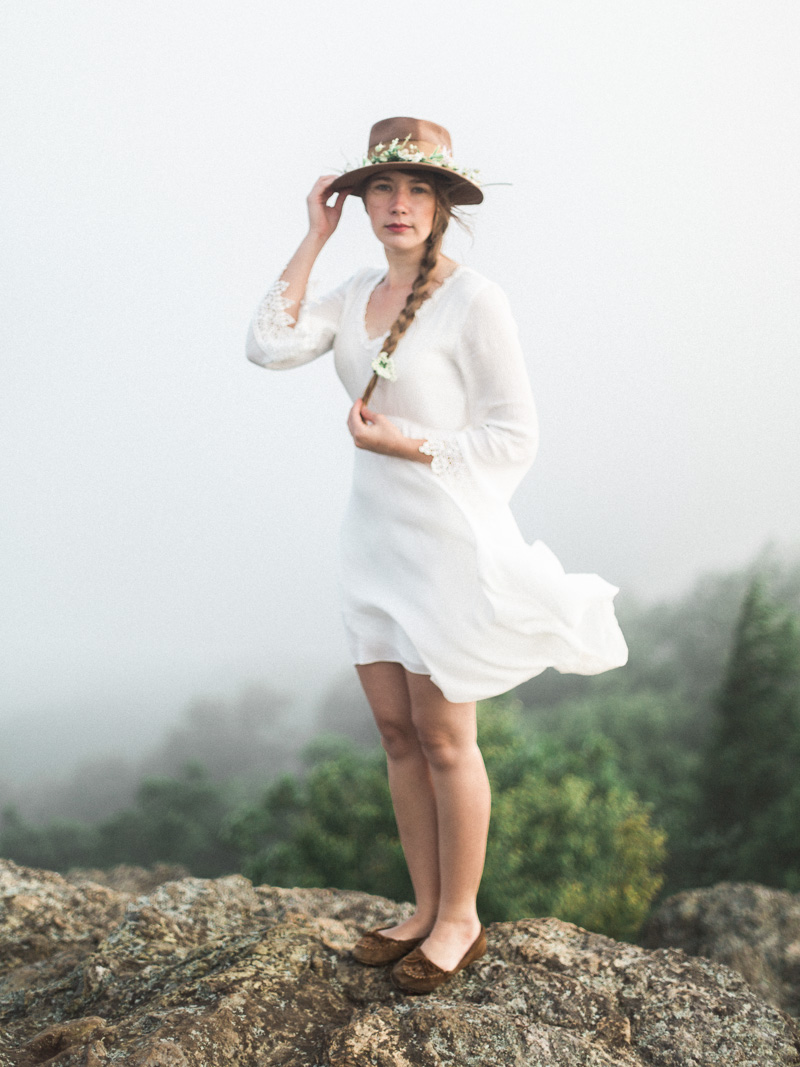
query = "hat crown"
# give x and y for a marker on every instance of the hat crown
(419, 131)
(405, 143)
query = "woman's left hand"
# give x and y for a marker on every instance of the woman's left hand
(376, 433)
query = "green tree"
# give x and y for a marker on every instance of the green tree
(751, 804)
(655, 739)
(567, 836)
(173, 820)
(334, 827)
(56, 846)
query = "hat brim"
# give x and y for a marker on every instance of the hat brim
(462, 190)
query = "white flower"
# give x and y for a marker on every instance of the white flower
(398, 151)
(384, 367)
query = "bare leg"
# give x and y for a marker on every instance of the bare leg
(447, 736)
(386, 689)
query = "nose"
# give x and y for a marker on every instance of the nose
(399, 202)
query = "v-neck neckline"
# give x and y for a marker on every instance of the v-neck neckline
(382, 336)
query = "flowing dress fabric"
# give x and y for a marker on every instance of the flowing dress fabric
(435, 573)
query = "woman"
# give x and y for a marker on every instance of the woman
(444, 603)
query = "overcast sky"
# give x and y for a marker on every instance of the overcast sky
(170, 511)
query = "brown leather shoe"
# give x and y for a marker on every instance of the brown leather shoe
(374, 949)
(417, 974)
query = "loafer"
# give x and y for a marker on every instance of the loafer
(417, 974)
(374, 949)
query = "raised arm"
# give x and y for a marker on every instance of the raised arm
(322, 221)
(285, 332)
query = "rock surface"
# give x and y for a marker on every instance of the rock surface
(128, 879)
(751, 928)
(199, 973)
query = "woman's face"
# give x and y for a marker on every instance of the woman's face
(401, 206)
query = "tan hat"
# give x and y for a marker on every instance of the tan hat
(411, 144)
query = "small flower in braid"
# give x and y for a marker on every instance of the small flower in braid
(419, 290)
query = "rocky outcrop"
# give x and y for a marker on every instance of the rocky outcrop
(199, 973)
(751, 928)
(129, 879)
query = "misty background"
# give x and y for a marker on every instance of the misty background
(171, 512)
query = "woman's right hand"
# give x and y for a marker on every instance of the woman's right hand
(322, 218)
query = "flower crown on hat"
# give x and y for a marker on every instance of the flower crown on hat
(403, 142)
(405, 151)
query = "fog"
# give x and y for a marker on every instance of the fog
(170, 512)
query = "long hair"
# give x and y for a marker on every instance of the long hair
(419, 290)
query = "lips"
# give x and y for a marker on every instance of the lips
(398, 227)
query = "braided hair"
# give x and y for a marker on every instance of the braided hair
(419, 290)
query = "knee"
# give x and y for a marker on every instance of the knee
(442, 749)
(398, 740)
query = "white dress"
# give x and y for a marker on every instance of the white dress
(435, 573)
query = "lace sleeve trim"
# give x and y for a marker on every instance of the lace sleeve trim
(272, 317)
(448, 459)
(274, 325)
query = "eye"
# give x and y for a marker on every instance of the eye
(421, 189)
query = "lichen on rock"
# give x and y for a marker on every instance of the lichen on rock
(751, 928)
(201, 972)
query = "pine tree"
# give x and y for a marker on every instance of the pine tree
(752, 802)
